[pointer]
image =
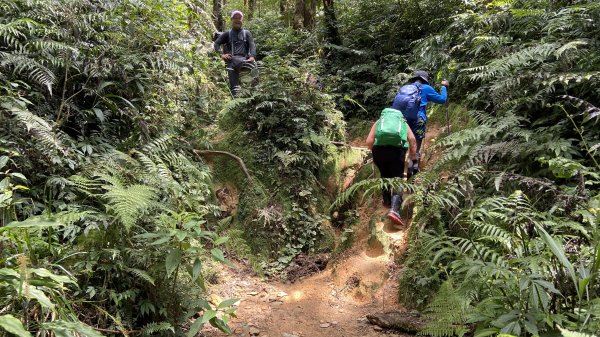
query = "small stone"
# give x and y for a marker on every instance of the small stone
(325, 325)
(377, 328)
(334, 322)
(282, 294)
(289, 335)
(254, 331)
(253, 293)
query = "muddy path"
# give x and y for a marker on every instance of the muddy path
(335, 301)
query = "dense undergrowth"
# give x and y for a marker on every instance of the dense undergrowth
(109, 219)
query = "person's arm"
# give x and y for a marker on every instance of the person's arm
(371, 136)
(412, 145)
(433, 96)
(251, 47)
(221, 40)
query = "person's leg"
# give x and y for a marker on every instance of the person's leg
(234, 80)
(382, 157)
(397, 161)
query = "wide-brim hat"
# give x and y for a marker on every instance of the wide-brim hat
(420, 75)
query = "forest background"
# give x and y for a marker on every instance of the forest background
(109, 212)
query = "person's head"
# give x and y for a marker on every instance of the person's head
(420, 76)
(237, 19)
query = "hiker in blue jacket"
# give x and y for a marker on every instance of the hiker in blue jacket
(418, 89)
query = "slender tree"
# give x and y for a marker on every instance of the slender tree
(251, 8)
(218, 15)
(298, 22)
(310, 9)
(331, 24)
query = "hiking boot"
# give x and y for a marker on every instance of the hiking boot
(395, 217)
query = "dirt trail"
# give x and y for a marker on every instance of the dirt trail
(334, 302)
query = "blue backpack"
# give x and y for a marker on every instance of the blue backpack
(408, 100)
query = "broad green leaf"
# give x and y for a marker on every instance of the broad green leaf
(14, 326)
(18, 175)
(161, 241)
(173, 260)
(208, 315)
(221, 240)
(69, 329)
(486, 332)
(35, 293)
(196, 269)
(217, 254)
(3, 161)
(567, 333)
(195, 328)
(4, 272)
(181, 235)
(559, 252)
(227, 303)
(221, 325)
(31, 223)
(48, 274)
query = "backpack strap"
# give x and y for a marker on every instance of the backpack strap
(231, 41)
(246, 43)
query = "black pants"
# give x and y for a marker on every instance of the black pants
(390, 162)
(234, 70)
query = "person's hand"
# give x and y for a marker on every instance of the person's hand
(251, 59)
(413, 168)
(445, 83)
(226, 57)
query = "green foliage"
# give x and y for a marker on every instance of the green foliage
(283, 127)
(96, 100)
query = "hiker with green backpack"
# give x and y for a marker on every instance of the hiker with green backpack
(389, 139)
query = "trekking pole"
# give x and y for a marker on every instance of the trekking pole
(447, 118)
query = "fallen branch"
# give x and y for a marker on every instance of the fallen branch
(126, 333)
(225, 153)
(350, 146)
(403, 321)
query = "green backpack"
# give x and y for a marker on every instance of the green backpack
(392, 129)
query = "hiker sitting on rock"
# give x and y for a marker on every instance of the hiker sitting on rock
(389, 138)
(412, 100)
(239, 50)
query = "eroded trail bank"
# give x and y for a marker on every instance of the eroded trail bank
(334, 302)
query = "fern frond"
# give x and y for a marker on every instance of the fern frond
(25, 65)
(141, 275)
(129, 203)
(38, 127)
(447, 313)
(152, 328)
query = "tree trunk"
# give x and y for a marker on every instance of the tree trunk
(251, 8)
(282, 7)
(299, 15)
(218, 15)
(331, 25)
(310, 8)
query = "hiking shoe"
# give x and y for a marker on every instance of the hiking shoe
(395, 217)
